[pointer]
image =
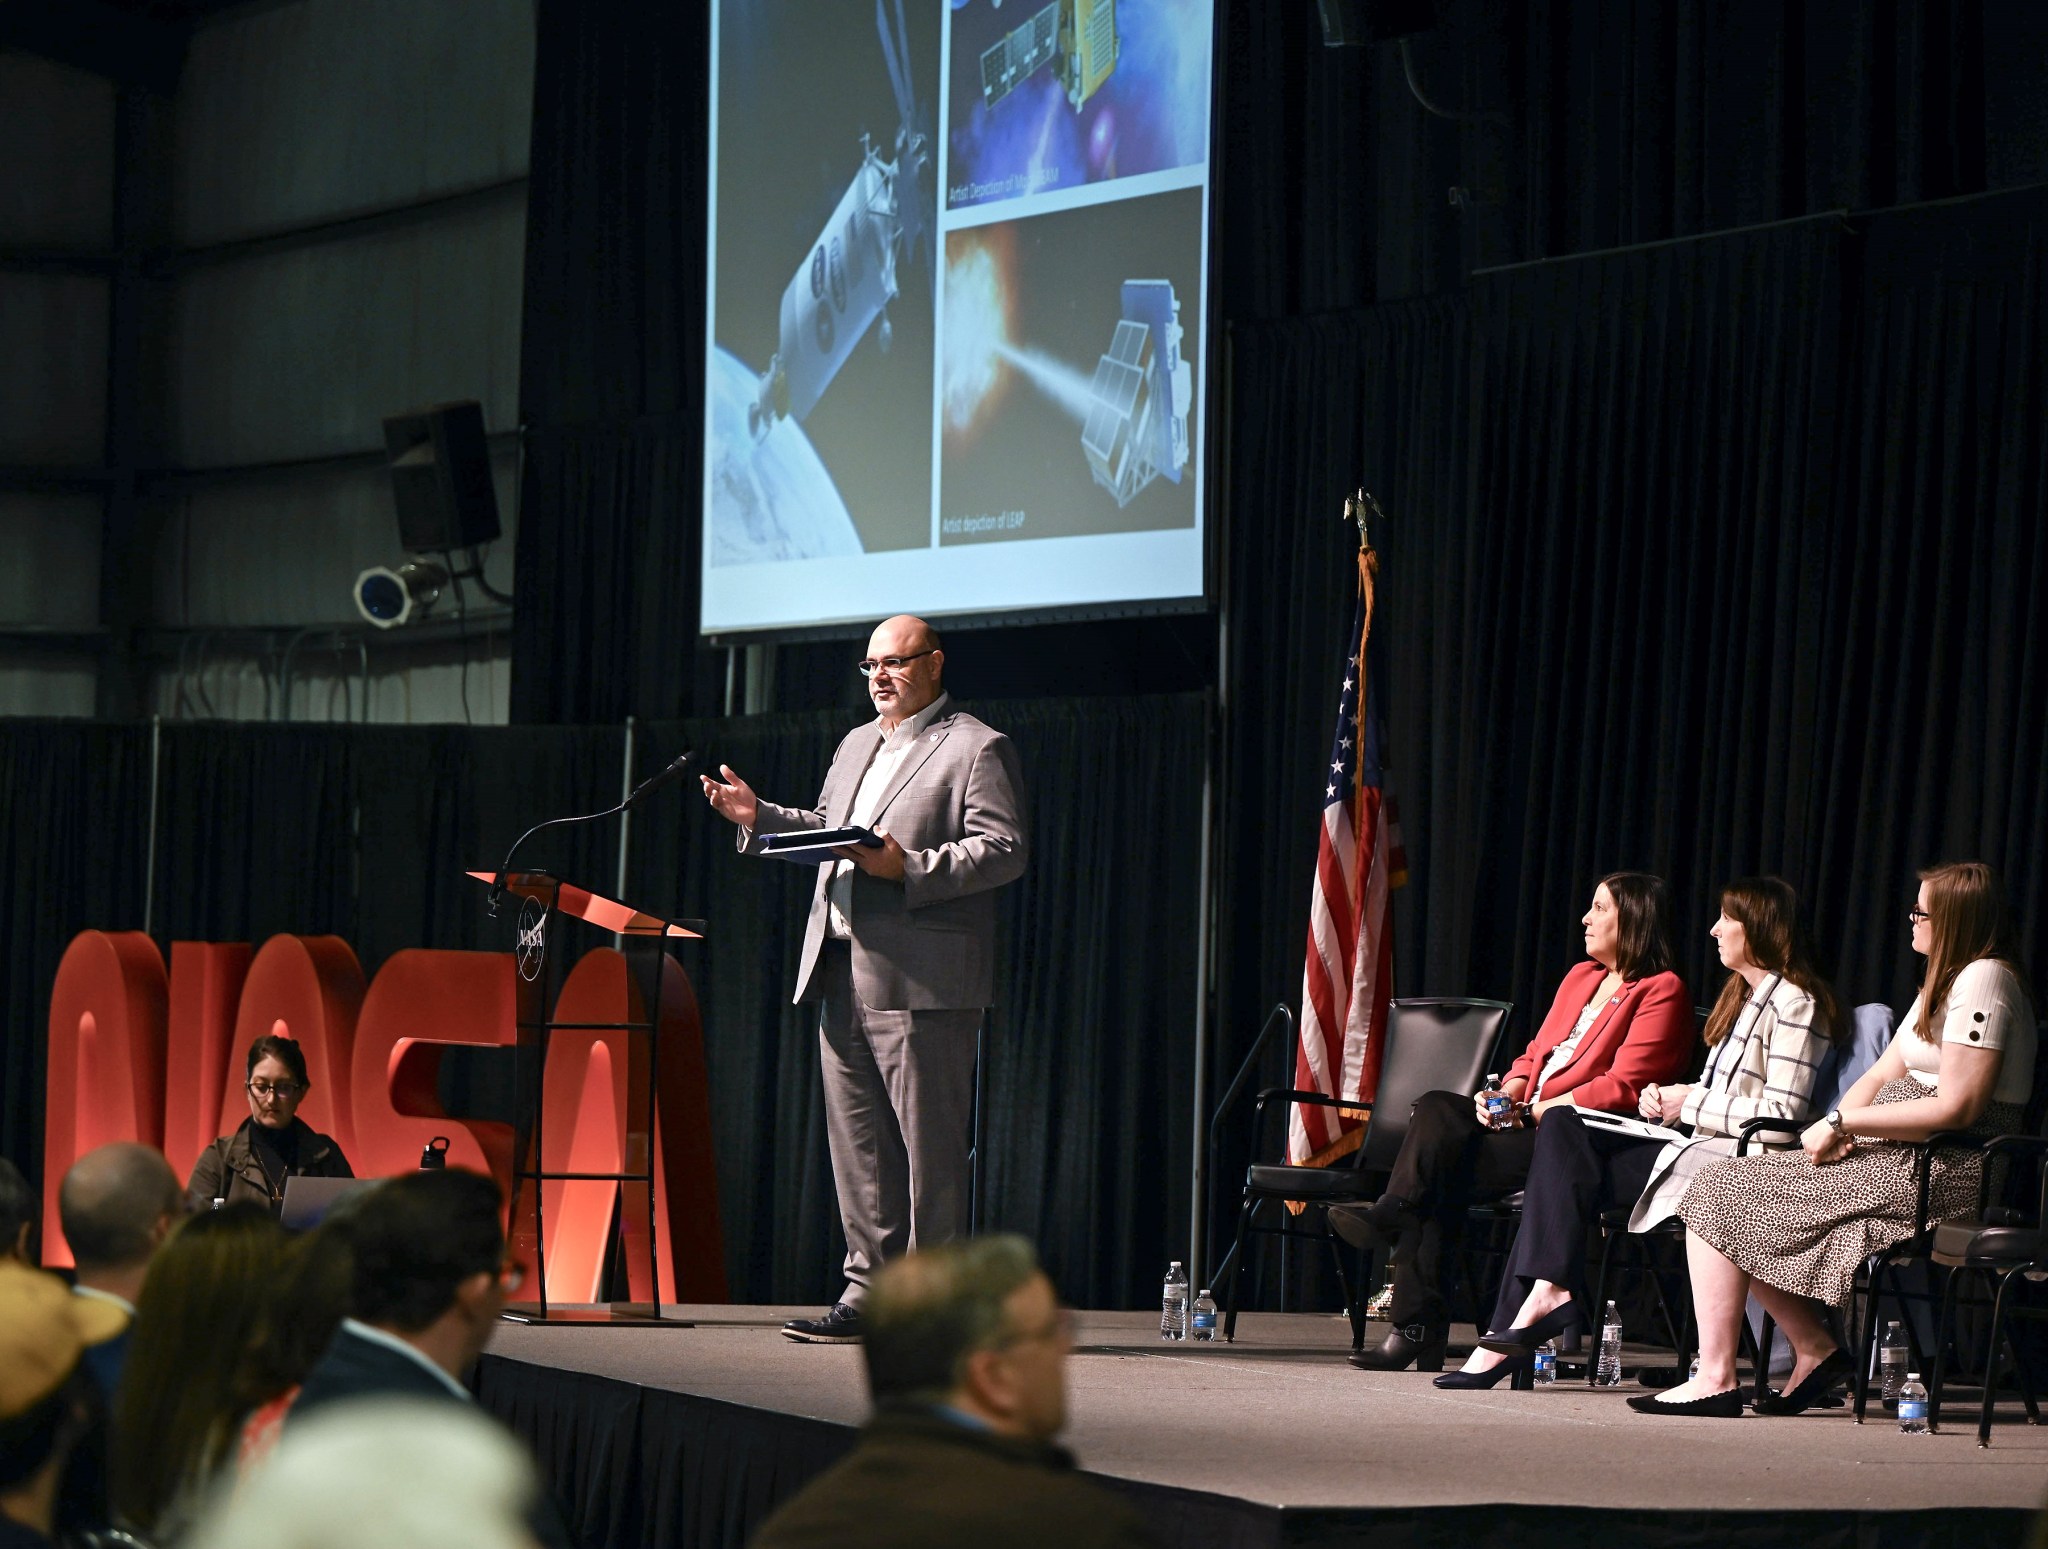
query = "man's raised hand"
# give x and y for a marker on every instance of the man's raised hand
(733, 799)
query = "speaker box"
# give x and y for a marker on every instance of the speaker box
(1355, 23)
(441, 478)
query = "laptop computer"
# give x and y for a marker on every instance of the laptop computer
(307, 1200)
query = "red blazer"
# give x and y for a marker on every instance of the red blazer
(1642, 1036)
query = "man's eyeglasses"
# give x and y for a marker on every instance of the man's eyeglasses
(1060, 1326)
(868, 667)
(1915, 916)
(283, 1089)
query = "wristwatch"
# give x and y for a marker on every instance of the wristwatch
(1835, 1121)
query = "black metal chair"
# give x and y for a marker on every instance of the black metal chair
(2008, 1245)
(1430, 1044)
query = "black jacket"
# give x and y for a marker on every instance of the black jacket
(917, 1479)
(228, 1168)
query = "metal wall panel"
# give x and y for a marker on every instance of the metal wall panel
(51, 570)
(53, 369)
(293, 114)
(57, 152)
(45, 685)
(286, 547)
(302, 353)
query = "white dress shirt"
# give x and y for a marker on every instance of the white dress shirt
(891, 748)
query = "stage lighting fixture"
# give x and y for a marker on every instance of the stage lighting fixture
(389, 598)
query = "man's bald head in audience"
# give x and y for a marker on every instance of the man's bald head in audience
(116, 1205)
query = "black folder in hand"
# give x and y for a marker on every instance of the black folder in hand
(817, 844)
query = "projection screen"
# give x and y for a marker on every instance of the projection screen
(957, 354)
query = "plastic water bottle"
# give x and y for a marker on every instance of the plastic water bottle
(1692, 1372)
(1545, 1374)
(1204, 1319)
(1913, 1406)
(1498, 1103)
(1891, 1361)
(1173, 1303)
(1608, 1373)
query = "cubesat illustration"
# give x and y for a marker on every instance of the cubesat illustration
(847, 282)
(1077, 38)
(1137, 424)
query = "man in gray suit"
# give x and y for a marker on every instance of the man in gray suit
(899, 950)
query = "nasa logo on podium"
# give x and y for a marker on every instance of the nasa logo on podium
(531, 949)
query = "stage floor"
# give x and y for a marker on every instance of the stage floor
(1280, 1420)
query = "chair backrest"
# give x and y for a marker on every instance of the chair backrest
(1431, 1045)
(1870, 1031)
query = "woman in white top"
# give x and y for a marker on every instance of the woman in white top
(1768, 1035)
(1794, 1227)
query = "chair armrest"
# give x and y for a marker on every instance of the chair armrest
(1770, 1123)
(1309, 1099)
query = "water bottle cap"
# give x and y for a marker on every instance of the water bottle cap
(1174, 1265)
(1203, 1292)
(1912, 1376)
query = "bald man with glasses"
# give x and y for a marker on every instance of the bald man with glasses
(899, 950)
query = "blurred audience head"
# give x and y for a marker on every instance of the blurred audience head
(315, 1284)
(17, 1215)
(117, 1204)
(429, 1262)
(46, 1399)
(204, 1306)
(976, 1326)
(393, 1473)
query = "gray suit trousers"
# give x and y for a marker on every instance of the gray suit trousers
(899, 1114)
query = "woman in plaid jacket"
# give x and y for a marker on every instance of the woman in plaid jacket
(1768, 1035)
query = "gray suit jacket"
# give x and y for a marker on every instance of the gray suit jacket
(957, 807)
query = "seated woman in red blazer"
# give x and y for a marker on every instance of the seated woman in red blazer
(1619, 1023)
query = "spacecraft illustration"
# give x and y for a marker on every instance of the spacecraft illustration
(849, 279)
(1137, 425)
(1078, 38)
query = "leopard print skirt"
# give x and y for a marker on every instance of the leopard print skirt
(1807, 1229)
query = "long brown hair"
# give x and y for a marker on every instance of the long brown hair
(1767, 909)
(207, 1293)
(1642, 903)
(1968, 919)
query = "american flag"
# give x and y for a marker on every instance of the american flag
(1349, 975)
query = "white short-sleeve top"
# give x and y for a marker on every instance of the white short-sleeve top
(1987, 1009)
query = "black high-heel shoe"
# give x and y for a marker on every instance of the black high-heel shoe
(1516, 1341)
(1834, 1369)
(1519, 1369)
(1408, 1344)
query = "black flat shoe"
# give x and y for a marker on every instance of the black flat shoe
(1715, 1406)
(1521, 1370)
(1811, 1390)
(1516, 1341)
(1410, 1344)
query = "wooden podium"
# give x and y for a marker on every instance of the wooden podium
(545, 901)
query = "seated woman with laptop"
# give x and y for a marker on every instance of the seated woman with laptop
(273, 1145)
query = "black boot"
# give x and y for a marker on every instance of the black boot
(1380, 1224)
(1420, 1345)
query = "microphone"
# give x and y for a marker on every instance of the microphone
(660, 780)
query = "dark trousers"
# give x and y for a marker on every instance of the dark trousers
(1578, 1171)
(1448, 1163)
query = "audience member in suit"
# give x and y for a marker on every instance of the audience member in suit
(1795, 1226)
(47, 1398)
(116, 1205)
(208, 1294)
(273, 1145)
(1769, 1035)
(396, 1473)
(17, 1215)
(429, 1276)
(1619, 1024)
(966, 1350)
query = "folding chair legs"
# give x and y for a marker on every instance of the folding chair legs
(1868, 1342)
(1944, 1332)
(1237, 1258)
